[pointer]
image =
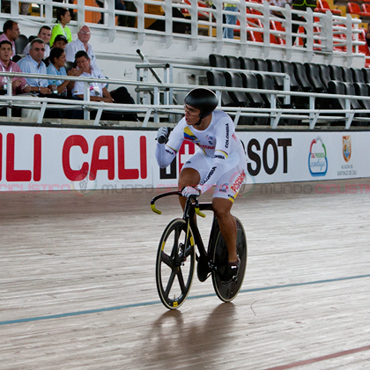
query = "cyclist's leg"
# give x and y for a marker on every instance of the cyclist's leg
(227, 224)
(192, 172)
(227, 189)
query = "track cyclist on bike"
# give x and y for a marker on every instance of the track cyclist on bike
(220, 161)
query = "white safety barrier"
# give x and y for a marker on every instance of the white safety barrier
(54, 159)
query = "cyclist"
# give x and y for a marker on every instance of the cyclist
(220, 161)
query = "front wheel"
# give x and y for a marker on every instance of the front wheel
(228, 291)
(175, 263)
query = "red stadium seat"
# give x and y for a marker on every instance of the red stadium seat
(366, 9)
(277, 26)
(354, 8)
(323, 7)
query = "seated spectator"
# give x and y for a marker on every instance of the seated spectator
(98, 91)
(56, 67)
(33, 63)
(281, 4)
(60, 42)
(82, 43)
(19, 84)
(10, 33)
(61, 87)
(63, 18)
(44, 34)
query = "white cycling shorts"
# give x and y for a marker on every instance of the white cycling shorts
(228, 185)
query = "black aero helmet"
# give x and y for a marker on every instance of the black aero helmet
(203, 99)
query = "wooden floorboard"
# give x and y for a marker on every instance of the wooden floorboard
(78, 291)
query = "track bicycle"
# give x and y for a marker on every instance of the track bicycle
(177, 255)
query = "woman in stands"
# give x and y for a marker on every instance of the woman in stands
(56, 67)
(221, 161)
(61, 87)
(63, 18)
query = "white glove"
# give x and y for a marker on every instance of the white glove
(188, 191)
(162, 135)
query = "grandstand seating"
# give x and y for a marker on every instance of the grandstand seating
(354, 8)
(323, 7)
(306, 77)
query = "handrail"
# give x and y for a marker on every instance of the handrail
(213, 22)
(275, 113)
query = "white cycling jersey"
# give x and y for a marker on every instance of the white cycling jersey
(221, 160)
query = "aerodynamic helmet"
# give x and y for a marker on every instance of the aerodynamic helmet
(203, 99)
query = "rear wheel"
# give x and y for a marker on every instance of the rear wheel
(228, 291)
(175, 264)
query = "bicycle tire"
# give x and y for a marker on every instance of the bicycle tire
(175, 264)
(228, 291)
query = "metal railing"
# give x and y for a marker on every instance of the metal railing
(323, 33)
(154, 111)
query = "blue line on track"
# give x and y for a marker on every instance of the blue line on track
(143, 304)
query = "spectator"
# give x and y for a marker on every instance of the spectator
(230, 19)
(82, 43)
(119, 5)
(19, 84)
(300, 5)
(63, 18)
(98, 91)
(281, 4)
(32, 63)
(126, 20)
(60, 42)
(61, 87)
(56, 67)
(5, 7)
(10, 33)
(368, 36)
(44, 34)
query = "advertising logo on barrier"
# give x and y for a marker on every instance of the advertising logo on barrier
(346, 147)
(317, 158)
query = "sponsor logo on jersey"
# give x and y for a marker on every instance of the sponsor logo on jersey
(210, 173)
(238, 182)
(224, 188)
(227, 136)
(210, 139)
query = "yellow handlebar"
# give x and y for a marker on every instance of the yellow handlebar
(155, 210)
(199, 213)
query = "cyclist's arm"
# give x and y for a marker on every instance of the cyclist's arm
(165, 153)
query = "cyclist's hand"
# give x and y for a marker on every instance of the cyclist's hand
(162, 135)
(188, 191)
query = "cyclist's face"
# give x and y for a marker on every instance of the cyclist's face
(191, 115)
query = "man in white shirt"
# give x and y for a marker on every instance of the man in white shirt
(99, 92)
(82, 43)
(44, 34)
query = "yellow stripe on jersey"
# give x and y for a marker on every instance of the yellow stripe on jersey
(224, 153)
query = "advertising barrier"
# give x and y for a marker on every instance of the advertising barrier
(53, 159)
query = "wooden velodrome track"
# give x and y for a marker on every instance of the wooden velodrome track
(78, 289)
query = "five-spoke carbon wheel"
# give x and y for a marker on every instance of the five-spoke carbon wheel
(175, 263)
